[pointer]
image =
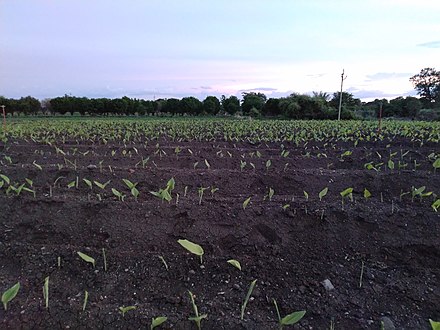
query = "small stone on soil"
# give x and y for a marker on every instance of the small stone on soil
(328, 285)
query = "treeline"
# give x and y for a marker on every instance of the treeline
(295, 106)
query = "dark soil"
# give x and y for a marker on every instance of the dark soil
(289, 251)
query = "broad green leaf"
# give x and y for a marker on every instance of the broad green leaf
(191, 247)
(234, 263)
(436, 205)
(322, 193)
(170, 184)
(292, 318)
(88, 183)
(346, 192)
(436, 164)
(86, 258)
(5, 178)
(10, 294)
(155, 322)
(391, 164)
(71, 184)
(367, 193)
(434, 325)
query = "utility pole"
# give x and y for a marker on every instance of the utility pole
(343, 77)
(4, 117)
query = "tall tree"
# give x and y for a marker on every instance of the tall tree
(427, 84)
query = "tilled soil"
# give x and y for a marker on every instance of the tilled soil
(381, 254)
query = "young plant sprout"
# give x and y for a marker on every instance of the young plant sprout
(164, 262)
(306, 195)
(201, 191)
(132, 186)
(101, 185)
(436, 164)
(88, 183)
(197, 318)
(86, 298)
(234, 263)
(105, 259)
(269, 194)
(46, 292)
(207, 164)
(436, 205)
(347, 193)
(155, 322)
(268, 164)
(192, 247)
(322, 193)
(242, 165)
(246, 299)
(124, 309)
(165, 194)
(86, 258)
(434, 325)
(10, 294)
(118, 194)
(290, 319)
(37, 166)
(213, 190)
(246, 202)
(367, 193)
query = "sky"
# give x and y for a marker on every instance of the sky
(175, 48)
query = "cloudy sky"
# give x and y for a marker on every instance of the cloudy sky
(176, 48)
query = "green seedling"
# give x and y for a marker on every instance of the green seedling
(420, 192)
(436, 205)
(46, 292)
(71, 184)
(86, 258)
(105, 259)
(101, 185)
(197, 318)
(88, 183)
(201, 192)
(290, 319)
(285, 206)
(367, 193)
(132, 186)
(246, 202)
(269, 194)
(242, 165)
(322, 193)
(234, 263)
(285, 153)
(124, 310)
(390, 164)
(10, 294)
(436, 164)
(37, 166)
(207, 164)
(5, 179)
(177, 151)
(434, 325)
(268, 164)
(246, 299)
(213, 190)
(118, 194)
(29, 182)
(306, 195)
(346, 154)
(165, 194)
(155, 322)
(164, 262)
(347, 193)
(192, 247)
(86, 298)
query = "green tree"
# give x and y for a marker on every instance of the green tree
(211, 105)
(191, 106)
(231, 105)
(427, 84)
(251, 101)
